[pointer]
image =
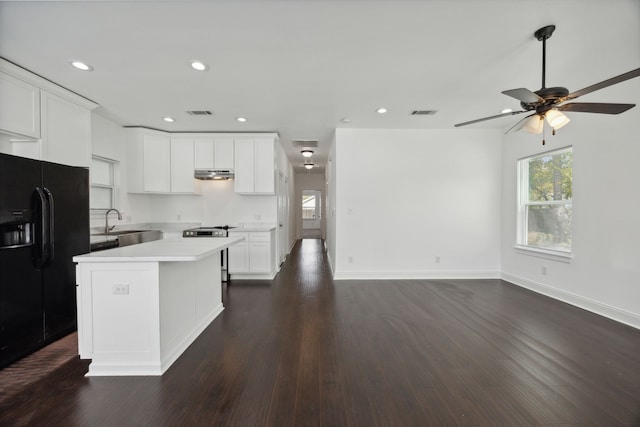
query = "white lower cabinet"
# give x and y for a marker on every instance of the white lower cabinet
(255, 256)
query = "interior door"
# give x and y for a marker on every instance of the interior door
(283, 217)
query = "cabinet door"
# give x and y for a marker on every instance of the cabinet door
(244, 167)
(182, 159)
(203, 153)
(19, 107)
(239, 258)
(66, 131)
(264, 180)
(156, 163)
(224, 153)
(259, 257)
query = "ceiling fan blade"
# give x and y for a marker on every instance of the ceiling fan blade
(596, 107)
(519, 125)
(524, 95)
(605, 83)
(497, 116)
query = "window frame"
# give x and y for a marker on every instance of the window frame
(523, 203)
(113, 168)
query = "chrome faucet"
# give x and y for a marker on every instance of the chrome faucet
(107, 229)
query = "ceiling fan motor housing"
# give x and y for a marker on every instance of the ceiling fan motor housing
(551, 96)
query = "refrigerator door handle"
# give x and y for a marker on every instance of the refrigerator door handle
(51, 216)
(42, 247)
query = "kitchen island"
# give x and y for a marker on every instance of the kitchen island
(141, 306)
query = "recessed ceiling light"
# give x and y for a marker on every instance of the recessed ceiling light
(241, 119)
(381, 110)
(506, 110)
(199, 66)
(169, 119)
(81, 66)
(307, 153)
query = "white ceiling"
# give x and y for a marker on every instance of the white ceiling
(300, 67)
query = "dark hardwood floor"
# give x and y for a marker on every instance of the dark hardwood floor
(305, 350)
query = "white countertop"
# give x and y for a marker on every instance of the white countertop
(172, 249)
(254, 228)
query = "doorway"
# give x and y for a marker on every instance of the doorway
(311, 214)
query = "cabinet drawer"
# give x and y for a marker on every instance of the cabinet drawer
(259, 237)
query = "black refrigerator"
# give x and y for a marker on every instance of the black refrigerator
(44, 222)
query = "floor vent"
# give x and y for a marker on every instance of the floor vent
(200, 113)
(423, 112)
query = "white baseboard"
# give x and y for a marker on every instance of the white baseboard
(414, 275)
(596, 307)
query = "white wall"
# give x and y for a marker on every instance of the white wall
(604, 275)
(405, 197)
(109, 140)
(330, 207)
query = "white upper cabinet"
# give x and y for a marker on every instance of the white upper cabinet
(204, 151)
(66, 131)
(159, 163)
(156, 163)
(46, 121)
(213, 153)
(182, 158)
(19, 107)
(224, 153)
(244, 166)
(255, 165)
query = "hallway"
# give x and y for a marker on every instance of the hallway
(305, 350)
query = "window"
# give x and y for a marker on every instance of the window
(309, 206)
(545, 194)
(102, 183)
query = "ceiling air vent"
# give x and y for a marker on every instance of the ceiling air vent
(200, 113)
(423, 112)
(305, 143)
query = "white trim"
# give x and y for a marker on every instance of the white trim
(550, 254)
(593, 306)
(414, 275)
(45, 84)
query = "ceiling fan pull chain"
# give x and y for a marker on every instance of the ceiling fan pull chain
(543, 134)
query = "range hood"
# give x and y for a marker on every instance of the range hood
(213, 174)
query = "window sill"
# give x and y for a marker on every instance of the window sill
(550, 254)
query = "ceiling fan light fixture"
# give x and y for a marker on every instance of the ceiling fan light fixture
(534, 124)
(556, 119)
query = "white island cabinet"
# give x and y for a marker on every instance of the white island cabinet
(141, 306)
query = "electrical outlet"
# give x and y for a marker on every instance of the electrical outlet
(179, 217)
(350, 260)
(543, 270)
(437, 259)
(121, 289)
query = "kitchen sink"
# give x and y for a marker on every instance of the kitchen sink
(123, 238)
(120, 232)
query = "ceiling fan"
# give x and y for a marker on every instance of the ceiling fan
(549, 102)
